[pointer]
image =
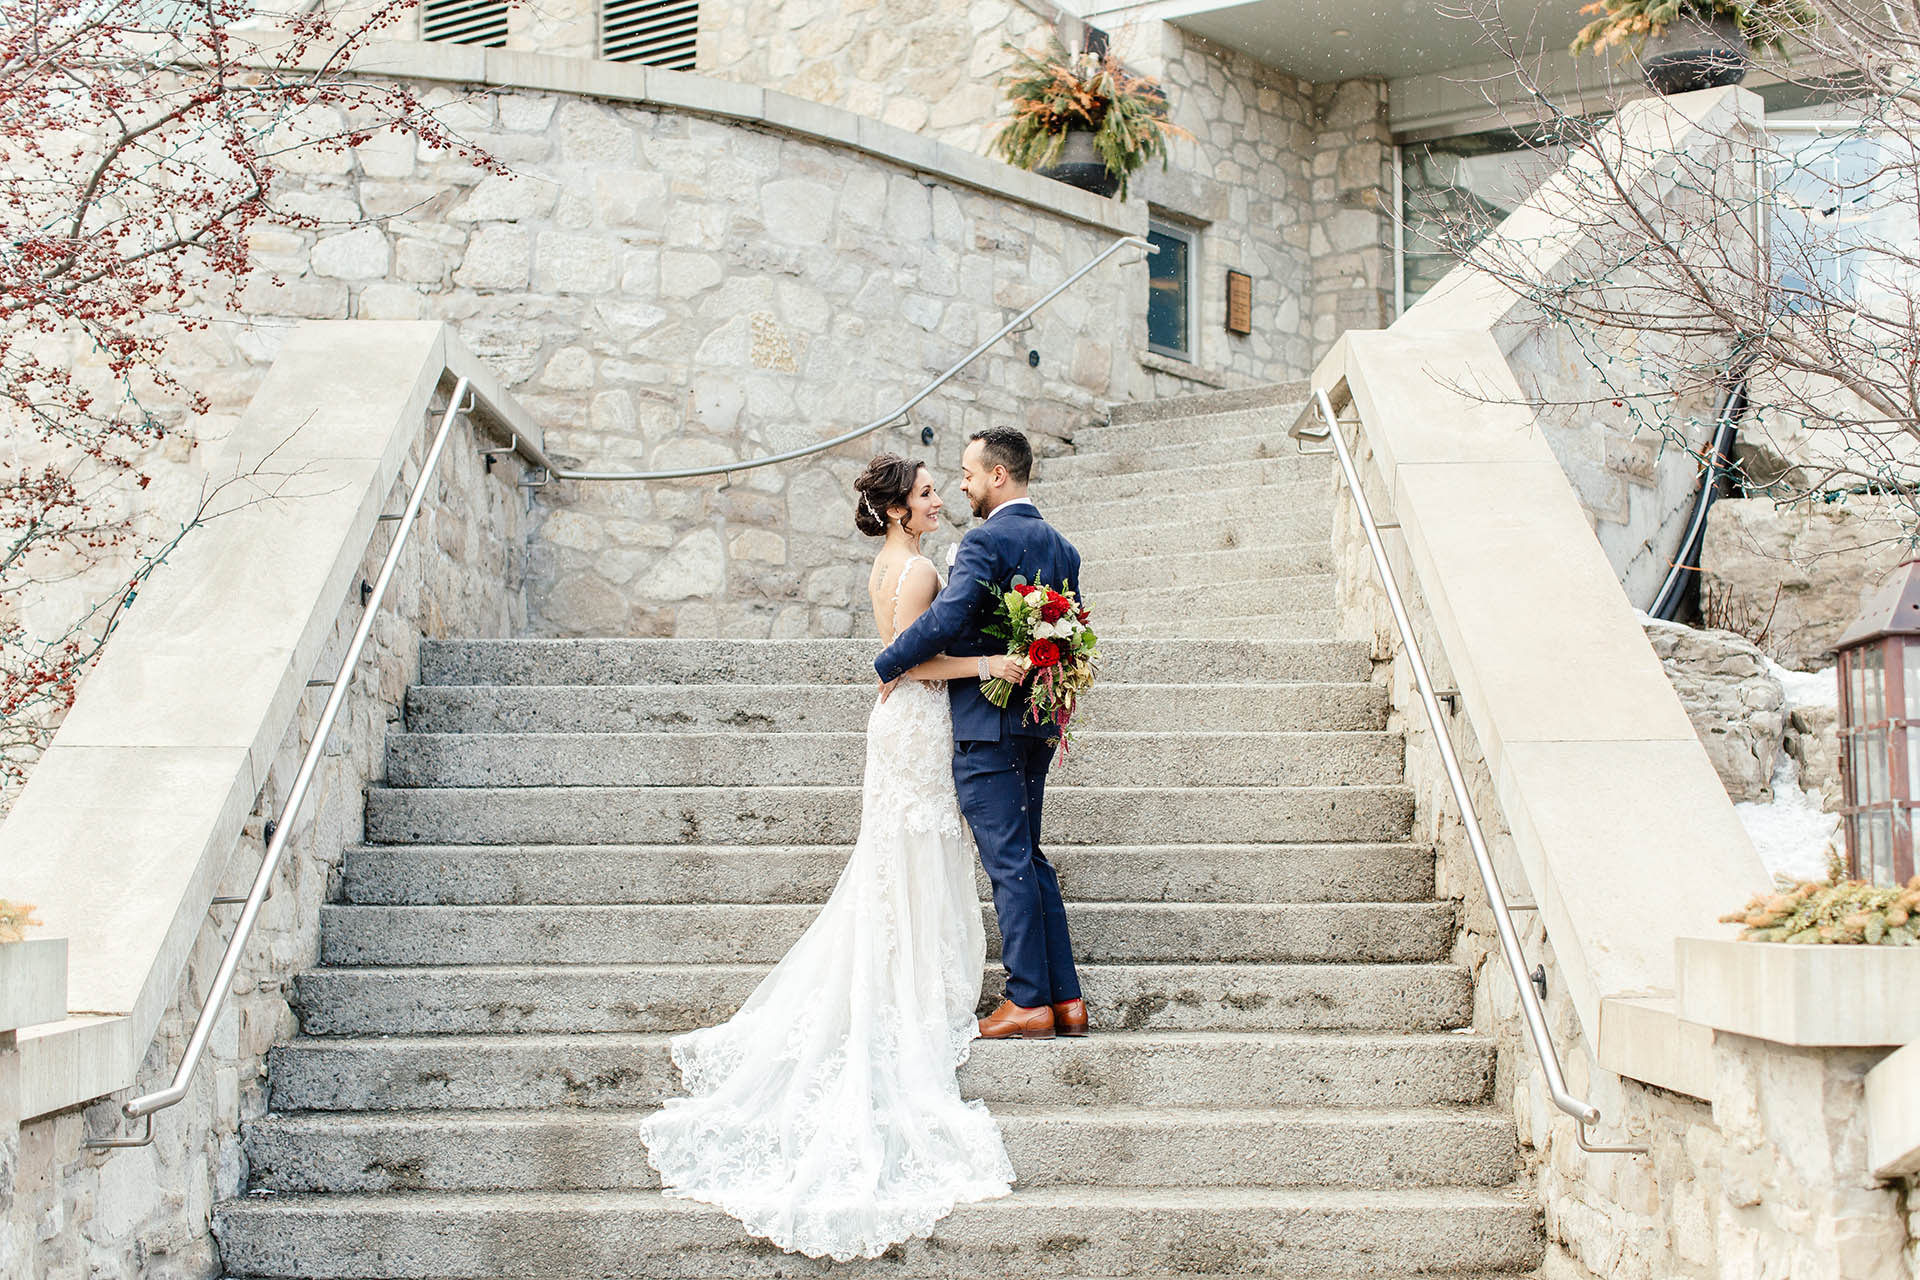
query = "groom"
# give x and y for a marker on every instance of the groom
(1000, 759)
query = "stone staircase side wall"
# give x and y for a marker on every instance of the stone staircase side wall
(1757, 1159)
(144, 1212)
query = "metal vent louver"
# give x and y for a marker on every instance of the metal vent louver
(465, 22)
(658, 33)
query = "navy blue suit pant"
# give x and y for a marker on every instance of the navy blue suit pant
(1000, 787)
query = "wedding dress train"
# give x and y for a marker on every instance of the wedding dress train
(825, 1114)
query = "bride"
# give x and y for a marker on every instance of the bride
(825, 1114)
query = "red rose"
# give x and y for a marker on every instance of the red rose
(1055, 608)
(1025, 588)
(1043, 653)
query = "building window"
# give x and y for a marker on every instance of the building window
(658, 33)
(1170, 291)
(465, 22)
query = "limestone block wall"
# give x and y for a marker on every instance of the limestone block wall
(1634, 467)
(1768, 1177)
(663, 289)
(143, 1213)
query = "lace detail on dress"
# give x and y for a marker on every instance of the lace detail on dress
(825, 1115)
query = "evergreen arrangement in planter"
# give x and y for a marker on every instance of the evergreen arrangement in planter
(1834, 911)
(1083, 119)
(1685, 45)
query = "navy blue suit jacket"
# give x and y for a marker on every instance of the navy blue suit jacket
(1014, 541)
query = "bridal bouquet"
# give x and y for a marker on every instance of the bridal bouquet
(1049, 628)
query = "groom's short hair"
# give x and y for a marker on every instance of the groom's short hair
(1005, 447)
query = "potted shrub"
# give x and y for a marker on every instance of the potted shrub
(1083, 119)
(1685, 45)
(1834, 911)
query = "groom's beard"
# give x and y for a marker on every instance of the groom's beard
(980, 508)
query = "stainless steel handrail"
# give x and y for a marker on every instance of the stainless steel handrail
(146, 1104)
(1584, 1112)
(899, 414)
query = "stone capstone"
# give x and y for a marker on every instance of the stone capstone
(1737, 707)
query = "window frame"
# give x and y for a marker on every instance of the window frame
(1190, 236)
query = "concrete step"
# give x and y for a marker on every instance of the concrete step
(829, 708)
(789, 815)
(1187, 429)
(1194, 478)
(1210, 403)
(1284, 504)
(454, 874)
(1199, 568)
(1201, 530)
(546, 997)
(1096, 456)
(1294, 625)
(1079, 1231)
(816, 663)
(1301, 595)
(735, 933)
(557, 1150)
(1106, 1069)
(812, 759)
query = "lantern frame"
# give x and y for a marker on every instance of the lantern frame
(1880, 755)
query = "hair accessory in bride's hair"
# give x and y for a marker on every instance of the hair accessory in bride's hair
(868, 504)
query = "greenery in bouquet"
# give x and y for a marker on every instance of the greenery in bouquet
(1048, 626)
(1836, 910)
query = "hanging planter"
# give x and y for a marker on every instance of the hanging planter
(1684, 45)
(1083, 119)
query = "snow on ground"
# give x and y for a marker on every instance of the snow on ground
(1791, 832)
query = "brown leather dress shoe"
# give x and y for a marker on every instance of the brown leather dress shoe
(1010, 1020)
(1070, 1017)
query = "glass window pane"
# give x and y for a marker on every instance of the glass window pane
(1913, 762)
(1876, 704)
(1875, 750)
(1856, 689)
(1881, 824)
(1910, 672)
(1169, 286)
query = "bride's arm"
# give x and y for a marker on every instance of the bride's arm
(916, 595)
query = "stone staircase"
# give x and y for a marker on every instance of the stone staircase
(585, 846)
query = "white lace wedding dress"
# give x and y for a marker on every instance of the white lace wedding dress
(825, 1115)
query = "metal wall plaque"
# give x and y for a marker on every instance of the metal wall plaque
(1239, 302)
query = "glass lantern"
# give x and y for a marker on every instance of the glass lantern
(1879, 674)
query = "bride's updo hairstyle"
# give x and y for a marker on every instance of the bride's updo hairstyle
(887, 482)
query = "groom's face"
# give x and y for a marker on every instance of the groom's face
(976, 478)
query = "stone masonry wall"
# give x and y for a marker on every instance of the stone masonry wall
(1766, 1179)
(663, 290)
(68, 1213)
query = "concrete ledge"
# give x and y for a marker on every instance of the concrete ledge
(1595, 766)
(1893, 1115)
(1835, 996)
(128, 820)
(1645, 1040)
(33, 982)
(750, 105)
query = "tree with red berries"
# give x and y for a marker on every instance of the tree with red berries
(139, 141)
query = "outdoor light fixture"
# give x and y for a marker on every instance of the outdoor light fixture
(1879, 674)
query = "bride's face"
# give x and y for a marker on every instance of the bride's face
(923, 505)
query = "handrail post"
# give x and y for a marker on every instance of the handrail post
(1536, 1019)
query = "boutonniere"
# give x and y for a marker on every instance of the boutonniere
(953, 553)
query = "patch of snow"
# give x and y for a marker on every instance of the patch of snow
(1806, 688)
(1790, 832)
